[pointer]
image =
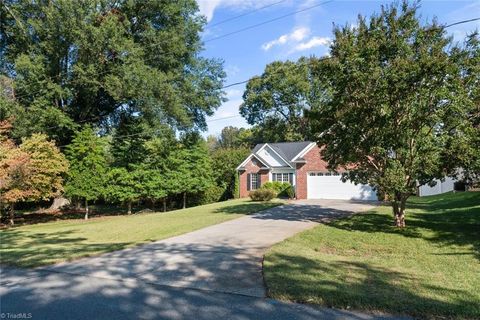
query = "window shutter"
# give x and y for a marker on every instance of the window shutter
(259, 179)
(248, 182)
(290, 178)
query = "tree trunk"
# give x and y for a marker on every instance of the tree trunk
(184, 200)
(86, 209)
(165, 204)
(399, 210)
(11, 214)
(129, 206)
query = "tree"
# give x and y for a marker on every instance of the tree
(276, 100)
(83, 61)
(392, 102)
(88, 167)
(124, 186)
(226, 160)
(189, 170)
(31, 172)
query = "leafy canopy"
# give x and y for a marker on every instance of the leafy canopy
(83, 61)
(88, 166)
(393, 101)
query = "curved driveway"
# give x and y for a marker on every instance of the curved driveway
(217, 268)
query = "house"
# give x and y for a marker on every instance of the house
(300, 164)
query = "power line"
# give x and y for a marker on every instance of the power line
(267, 21)
(460, 22)
(246, 14)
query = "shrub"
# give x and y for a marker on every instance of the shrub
(281, 189)
(289, 192)
(262, 195)
(212, 194)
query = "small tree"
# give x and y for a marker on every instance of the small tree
(124, 186)
(226, 161)
(88, 166)
(392, 102)
(30, 172)
(190, 170)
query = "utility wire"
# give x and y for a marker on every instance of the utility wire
(461, 22)
(246, 14)
(267, 21)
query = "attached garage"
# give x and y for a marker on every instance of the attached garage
(327, 185)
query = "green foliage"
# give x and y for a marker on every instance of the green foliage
(212, 194)
(128, 144)
(392, 103)
(225, 162)
(276, 100)
(84, 60)
(262, 195)
(123, 186)
(281, 189)
(189, 170)
(88, 166)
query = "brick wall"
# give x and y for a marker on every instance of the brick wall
(313, 163)
(253, 166)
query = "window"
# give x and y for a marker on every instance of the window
(328, 174)
(312, 174)
(283, 177)
(320, 174)
(253, 181)
(336, 174)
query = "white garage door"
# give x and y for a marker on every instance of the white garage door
(330, 186)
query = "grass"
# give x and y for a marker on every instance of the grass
(431, 269)
(47, 243)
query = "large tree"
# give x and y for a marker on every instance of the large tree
(88, 167)
(393, 101)
(275, 101)
(83, 61)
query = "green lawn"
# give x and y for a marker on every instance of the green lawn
(47, 243)
(429, 270)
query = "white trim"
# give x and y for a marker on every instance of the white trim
(266, 144)
(304, 151)
(248, 159)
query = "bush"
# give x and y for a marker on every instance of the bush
(281, 189)
(211, 195)
(262, 195)
(289, 191)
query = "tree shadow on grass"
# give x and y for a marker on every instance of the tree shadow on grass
(453, 219)
(357, 285)
(248, 207)
(30, 249)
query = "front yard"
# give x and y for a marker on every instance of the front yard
(47, 243)
(429, 270)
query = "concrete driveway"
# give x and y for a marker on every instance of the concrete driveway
(218, 268)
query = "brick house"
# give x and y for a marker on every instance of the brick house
(300, 164)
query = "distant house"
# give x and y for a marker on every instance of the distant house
(300, 164)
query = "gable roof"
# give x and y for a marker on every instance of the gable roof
(287, 150)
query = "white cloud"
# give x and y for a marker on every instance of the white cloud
(312, 43)
(208, 7)
(296, 35)
(233, 93)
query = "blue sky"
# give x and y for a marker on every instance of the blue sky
(245, 54)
